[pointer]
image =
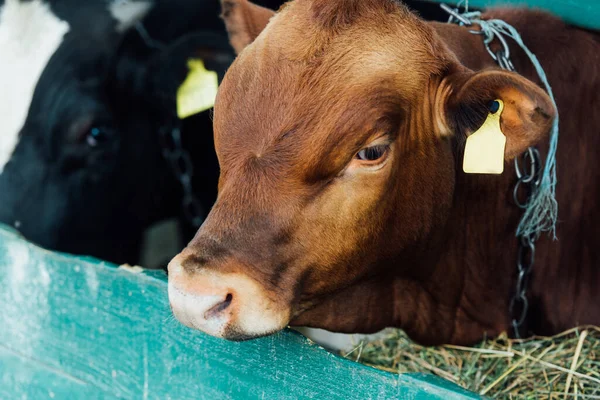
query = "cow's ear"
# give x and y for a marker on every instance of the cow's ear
(170, 67)
(526, 115)
(244, 21)
(155, 71)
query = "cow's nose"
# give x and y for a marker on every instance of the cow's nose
(198, 302)
(229, 305)
(207, 312)
(219, 307)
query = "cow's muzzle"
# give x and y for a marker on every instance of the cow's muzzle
(225, 305)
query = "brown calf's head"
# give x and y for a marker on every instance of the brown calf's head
(336, 130)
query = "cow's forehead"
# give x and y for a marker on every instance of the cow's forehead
(299, 80)
(30, 33)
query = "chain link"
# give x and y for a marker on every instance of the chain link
(527, 180)
(174, 153)
(182, 167)
(525, 187)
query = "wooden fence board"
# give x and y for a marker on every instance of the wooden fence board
(80, 328)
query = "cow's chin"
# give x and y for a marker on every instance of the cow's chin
(228, 306)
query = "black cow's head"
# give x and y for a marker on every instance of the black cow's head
(85, 88)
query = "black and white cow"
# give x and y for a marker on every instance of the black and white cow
(85, 88)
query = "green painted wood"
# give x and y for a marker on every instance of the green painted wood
(584, 13)
(81, 328)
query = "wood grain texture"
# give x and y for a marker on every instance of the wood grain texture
(583, 13)
(81, 328)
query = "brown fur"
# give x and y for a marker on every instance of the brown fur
(417, 244)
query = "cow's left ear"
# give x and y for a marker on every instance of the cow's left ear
(527, 112)
(244, 21)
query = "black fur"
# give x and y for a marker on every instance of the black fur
(68, 196)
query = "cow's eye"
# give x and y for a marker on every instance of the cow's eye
(96, 136)
(373, 153)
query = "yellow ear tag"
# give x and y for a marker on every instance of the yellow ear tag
(484, 151)
(197, 93)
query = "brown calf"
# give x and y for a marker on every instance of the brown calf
(342, 205)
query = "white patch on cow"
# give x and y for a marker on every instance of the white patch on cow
(128, 12)
(29, 35)
(343, 342)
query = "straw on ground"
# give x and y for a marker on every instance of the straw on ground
(566, 366)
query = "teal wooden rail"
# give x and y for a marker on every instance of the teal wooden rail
(78, 328)
(584, 13)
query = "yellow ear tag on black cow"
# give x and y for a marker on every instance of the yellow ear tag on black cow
(199, 90)
(484, 151)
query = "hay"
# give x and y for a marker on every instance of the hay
(566, 366)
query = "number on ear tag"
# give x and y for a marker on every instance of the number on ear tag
(484, 150)
(197, 93)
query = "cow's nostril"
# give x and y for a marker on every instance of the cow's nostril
(218, 308)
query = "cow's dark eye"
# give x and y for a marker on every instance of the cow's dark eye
(372, 153)
(96, 136)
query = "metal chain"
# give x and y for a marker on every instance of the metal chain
(525, 187)
(528, 182)
(177, 157)
(182, 167)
